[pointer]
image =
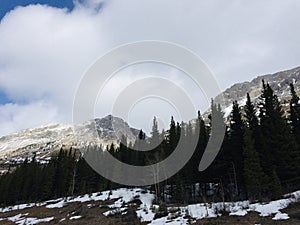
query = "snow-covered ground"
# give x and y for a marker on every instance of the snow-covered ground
(241, 208)
(22, 219)
(146, 211)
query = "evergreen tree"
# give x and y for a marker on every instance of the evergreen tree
(198, 153)
(294, 114)
(172, 137)
(155, 143)
(275, 186)
(253, 124)
(250, 115)
(294, 120)
(278, 144)
(236, 137)
(123, 150)
(142, 135)
(140, 144)
(155, 133)
(253, 175)
(218, 170)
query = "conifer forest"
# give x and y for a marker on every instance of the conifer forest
(259, 159)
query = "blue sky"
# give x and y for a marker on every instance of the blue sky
(7, 5)
(3, 98)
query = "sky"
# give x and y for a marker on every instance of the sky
(46, 46)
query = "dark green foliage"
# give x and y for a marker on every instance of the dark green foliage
(250, 115)
(278, 144)
(33, 182)
(252, 123)
(275, 185)
(254, 177)
(295, 114)
(236, 140)
(294, 120)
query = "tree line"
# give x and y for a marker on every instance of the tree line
(259, 159)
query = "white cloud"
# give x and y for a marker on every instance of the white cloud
(44, 50)
(14, 117)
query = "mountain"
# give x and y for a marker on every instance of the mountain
(48, 138)
(279, 82)
(43, 140)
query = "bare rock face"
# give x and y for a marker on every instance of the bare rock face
(280, 83)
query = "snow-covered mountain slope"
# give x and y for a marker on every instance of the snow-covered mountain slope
(279, 82)
(54, 136)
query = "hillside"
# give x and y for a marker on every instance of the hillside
(134, 206)
(43, 140)
(279, 82)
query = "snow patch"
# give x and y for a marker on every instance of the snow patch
(281, 216)
(22, 220)
(75, 217)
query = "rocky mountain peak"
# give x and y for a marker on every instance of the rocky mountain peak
(99, 131)
(279, 82)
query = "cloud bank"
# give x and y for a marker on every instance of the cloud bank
(44, 51)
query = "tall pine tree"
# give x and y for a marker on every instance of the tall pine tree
(236, 139)
(294, 114)
(278, 145)
(254, 177)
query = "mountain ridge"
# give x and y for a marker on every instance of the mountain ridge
(278, 81)
(56, 136)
